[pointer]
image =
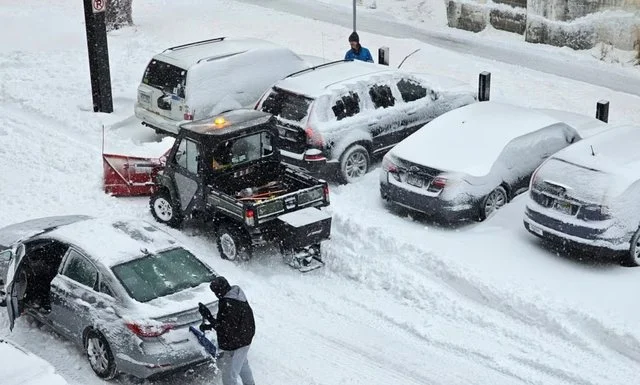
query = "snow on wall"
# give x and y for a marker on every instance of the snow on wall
(476, 15)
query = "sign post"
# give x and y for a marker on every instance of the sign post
(94, 16)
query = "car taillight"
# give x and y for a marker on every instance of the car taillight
(325, 191)
(438, 183)
(187, 115)
(388, 165)
(594, 213)
(249, 217)
(144, 329)
(314, 138)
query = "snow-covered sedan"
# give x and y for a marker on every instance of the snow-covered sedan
(123, 290)
(471, 161)
(588, 195)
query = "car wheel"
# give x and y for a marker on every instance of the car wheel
(164, 210)
(633, 257)
(233, 244)
(100, 355)
(354, 163)
(493, 202)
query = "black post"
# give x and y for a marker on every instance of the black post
(602, 111)
(383, 55)
(94, 13)
(484, 86)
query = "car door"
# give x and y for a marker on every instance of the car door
(386, 119)
(71, 289)
(5, 258)
(15, 286)
(187, 174)
(419, 107)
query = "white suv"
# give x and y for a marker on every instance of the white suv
(336, 116)
(196, 80)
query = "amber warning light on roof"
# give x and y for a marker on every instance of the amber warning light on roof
(220, 122)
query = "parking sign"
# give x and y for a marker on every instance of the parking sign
(99, 5)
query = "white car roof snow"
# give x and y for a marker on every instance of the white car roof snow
(469, 139)
(185, 57)
(616, 152)
(315, 82)
(113, 241)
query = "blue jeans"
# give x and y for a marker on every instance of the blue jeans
(234, 363)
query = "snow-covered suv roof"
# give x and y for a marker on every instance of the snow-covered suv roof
(184, 56)
(315, 81)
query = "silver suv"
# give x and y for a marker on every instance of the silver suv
(336, 116)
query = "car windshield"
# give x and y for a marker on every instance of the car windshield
(162, 274)
(164, 76)
(287, 105)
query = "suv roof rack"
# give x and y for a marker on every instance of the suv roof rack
(316, 67)
(195, 43)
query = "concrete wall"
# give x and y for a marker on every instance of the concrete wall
(579, 24)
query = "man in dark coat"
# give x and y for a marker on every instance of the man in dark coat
(357, 52)
(235, 328)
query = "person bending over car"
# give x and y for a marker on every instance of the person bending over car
(235, 328)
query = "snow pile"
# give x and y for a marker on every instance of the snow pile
(20, 367)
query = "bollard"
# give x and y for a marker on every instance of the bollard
(383, 56)
(484, 86)
(602, 111)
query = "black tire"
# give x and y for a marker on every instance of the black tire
(632, 257)
(233, 243)
(164, 209)
(99, 355)
(354, 163)
(491, 203)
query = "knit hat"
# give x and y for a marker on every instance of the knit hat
(354, 37)
(220, 286)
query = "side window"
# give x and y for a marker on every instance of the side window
(104, 288)
(381, 96)
(347, 105)
(187, 156)
(411, 90)
(80, 270)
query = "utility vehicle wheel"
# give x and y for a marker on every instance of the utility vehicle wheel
(354, 163)
(100, 355)
(233, 244)
(493, 202)
(164, 210)
(632, 258)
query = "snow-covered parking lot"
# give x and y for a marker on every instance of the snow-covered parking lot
(401, 300)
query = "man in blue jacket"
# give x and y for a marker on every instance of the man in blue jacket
(357, 52)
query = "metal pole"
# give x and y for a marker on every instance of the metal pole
(354, 15)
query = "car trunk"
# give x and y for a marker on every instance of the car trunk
(292, 111)
(415, 174)
(162, 89)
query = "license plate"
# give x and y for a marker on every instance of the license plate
(144, 98)
(564, 207)
(535, 229)
(414, 180)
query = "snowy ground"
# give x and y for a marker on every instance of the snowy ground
(401, 300)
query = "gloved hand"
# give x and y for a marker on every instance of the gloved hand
(204, 327)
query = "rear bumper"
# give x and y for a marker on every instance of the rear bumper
(433, 206)
(576, 235)
(157, 122)
(320, 168)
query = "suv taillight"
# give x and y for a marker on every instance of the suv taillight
(187, 114)
(325, 191)
(313, 138)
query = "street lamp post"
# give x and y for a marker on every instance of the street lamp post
(354, 15)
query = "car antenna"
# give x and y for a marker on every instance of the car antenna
(406, 57)
(592, 152)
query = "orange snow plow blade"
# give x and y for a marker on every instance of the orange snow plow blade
(130, 175)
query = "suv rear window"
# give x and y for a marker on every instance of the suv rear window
(287, 105)
(164, 76)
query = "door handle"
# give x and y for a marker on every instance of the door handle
(412, 111)
(374, 122)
